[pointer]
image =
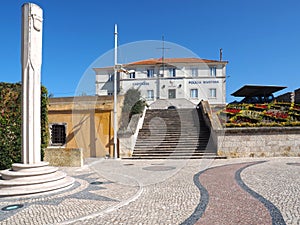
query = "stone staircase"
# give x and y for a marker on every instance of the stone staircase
(179, 103)
(173, 134)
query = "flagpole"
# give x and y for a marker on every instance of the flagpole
(115, 93)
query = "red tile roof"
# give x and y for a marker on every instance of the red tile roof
(174, 60)
(154, 62)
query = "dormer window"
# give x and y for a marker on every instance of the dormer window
(172, 72)
(213, 71)
(132, 75)
(111, 77)
(194, 72)
(150, 73)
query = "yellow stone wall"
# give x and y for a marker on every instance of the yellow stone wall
(72, 157)
(89, 122)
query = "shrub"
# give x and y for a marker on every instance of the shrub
(132, 96)
(133, 104)
(11, 121)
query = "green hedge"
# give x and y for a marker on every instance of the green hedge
(11, 121)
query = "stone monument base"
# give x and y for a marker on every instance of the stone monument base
(25, 179)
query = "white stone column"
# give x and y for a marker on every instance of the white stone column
(32, 24)
(32, 176)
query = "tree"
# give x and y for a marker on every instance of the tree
(133, 104)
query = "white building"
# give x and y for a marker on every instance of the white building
(193, 79)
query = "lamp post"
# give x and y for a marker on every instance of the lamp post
(115, 93)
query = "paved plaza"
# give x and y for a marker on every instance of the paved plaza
(106, 191)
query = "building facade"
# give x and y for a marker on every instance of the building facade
(84, 122)
(193, 79)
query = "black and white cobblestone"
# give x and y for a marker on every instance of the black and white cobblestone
(150, 196)
(278, 180)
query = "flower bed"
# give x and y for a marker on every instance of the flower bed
(260, 115)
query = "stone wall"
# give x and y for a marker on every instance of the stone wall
(250, 141)
(64, 157)
(259, 142)
(128, 137)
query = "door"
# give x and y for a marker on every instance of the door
(172, 93)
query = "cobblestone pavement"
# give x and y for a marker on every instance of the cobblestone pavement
(278, 181)
(166, 192)
(223, 195)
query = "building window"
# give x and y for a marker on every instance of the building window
(132, 75)
(58, 134)
(172, 72)
(150, 94)
(213, 71)
(111, 77)
(150, 73)
(194, 93)
(212, 93)
(194, 72)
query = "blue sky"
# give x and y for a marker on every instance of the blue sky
(260, 38)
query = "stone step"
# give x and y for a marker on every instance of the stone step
(166, 150)
(177, 153)
(10, 174)
(36, 188)
(174, 151)
(170, 138)
(173, 119)
(39, 179)
(181, 134)
(176, 132)
(167, 129)
(177, 157)
(172, 147)
(161, 125)
(166, 143)
(176, 135)
(149, 142)
(163, 148)
(28, 167)
(171, 127)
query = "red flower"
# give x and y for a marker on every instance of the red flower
(233, 111)
(279, 115)
(261, 106)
